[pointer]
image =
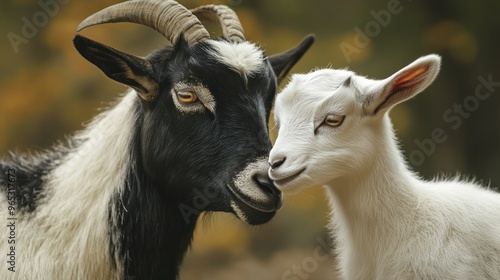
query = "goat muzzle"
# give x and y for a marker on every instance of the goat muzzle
(253, 187)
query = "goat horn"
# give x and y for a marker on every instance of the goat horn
(165, 16)
(225, 18)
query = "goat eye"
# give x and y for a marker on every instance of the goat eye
(334, 120)
(187, 97)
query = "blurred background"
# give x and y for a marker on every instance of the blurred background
(48, 91)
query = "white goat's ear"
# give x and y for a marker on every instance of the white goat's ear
(403, 84)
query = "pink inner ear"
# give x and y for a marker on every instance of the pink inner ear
(400, 89)
(410, 75)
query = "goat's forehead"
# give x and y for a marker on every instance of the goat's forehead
(243, 57)
(307, 90)
(326, 80)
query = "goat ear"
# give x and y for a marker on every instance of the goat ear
(119, 66)
(283, 62)
(404, 84)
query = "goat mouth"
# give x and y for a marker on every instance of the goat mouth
(255, 198)
(289, 179)
(250, 215)
(269, 203)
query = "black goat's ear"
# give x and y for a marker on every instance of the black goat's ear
(119, 66)
(283, 62)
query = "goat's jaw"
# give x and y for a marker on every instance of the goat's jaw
(253, 202)
(286, 180)
(289, 179)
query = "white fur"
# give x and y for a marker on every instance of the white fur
(243, 57)
(387, 222)
(245, 178)
(241, 215)
(67, 236)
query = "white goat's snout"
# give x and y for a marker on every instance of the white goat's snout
(282, 170)
(277, 162)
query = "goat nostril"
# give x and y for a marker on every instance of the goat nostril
(267, 185)
(277, 163)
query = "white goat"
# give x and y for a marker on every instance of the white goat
(334, 130)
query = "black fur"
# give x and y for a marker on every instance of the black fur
(180, 165)
(29, 175)
(176, 157)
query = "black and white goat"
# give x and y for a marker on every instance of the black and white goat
(123, 196)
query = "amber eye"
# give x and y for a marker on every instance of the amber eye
(187, 97)
(334, 120)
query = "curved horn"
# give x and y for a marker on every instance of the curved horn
(224, 17)
(165, 16)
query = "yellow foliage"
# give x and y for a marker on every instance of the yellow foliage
(307, 200)
(29, 92)
(402, 118)
(220, 232)
(60, 34)
(250, 23)
(454, 37)
(362, 52)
